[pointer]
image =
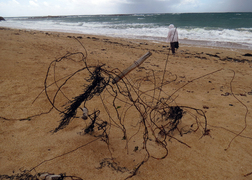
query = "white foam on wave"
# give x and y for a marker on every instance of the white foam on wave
(225, 35)
(241, 36)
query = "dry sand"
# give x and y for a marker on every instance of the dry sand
(24, 59)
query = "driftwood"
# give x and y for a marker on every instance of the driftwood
(133, 66)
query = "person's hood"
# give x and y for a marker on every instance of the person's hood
(171, 26)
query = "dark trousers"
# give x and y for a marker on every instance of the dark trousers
(173, 46)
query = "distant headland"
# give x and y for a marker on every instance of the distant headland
(45, 17)
(2, 19)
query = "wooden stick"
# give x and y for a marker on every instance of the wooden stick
(133, 66)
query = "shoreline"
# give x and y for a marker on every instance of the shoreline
(214, 81)
(201, 43)
(183, 43)
(197, 43)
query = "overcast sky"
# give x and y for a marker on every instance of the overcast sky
(11, 8)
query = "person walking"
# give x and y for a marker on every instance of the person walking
(173, 38)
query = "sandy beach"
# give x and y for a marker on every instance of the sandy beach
(212, 85)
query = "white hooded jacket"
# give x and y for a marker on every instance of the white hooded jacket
(172, 34)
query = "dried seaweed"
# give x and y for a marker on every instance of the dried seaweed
(95, 88)
(160, 116)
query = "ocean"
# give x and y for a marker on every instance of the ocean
(231, 30)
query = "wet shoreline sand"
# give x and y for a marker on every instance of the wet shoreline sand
(214, 80)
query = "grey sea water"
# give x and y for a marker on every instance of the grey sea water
(233, 30)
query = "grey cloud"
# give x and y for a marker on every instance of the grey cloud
(148, 6)
(170, 6)
(238, 5)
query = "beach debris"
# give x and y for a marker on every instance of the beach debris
(226, 94)
(94, 38)
(93, 118)
(174, 115)
(26, 175)
(133, 66)
(241, 94)
(96, 87)
(49, 176)
(248, 174)
(205, 107)
(247, 54)
(213, 55)
(136, 148)
(134, 98)
(20, 176)
(110, 163)
(85, 113)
